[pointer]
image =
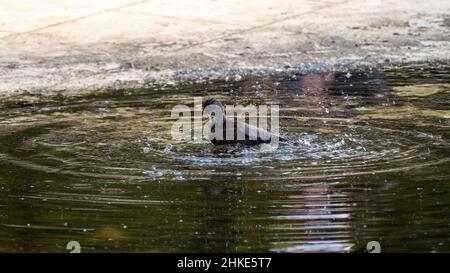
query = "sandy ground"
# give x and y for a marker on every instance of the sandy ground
(71, 45)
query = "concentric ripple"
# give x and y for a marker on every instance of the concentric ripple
(106, 156)
(135, 144)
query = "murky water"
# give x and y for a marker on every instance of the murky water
(371, 162)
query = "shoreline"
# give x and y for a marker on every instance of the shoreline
(69, 48)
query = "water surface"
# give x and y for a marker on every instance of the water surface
(371, 161)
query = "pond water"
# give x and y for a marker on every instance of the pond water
(370, 162)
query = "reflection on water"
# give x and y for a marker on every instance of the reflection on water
(370, 162)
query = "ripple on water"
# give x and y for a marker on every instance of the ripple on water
(308, 195)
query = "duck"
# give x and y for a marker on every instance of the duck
(262, 136)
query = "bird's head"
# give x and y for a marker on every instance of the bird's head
(212, 110)
(212, 101)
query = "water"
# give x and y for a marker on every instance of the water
(371, 162)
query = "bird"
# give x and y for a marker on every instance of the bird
(247, 130)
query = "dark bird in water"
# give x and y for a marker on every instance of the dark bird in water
(247, 130)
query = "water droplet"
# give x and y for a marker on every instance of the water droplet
(168, 148)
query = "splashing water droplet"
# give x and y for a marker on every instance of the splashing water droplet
(168, 148)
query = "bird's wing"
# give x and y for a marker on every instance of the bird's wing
(252, 132)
